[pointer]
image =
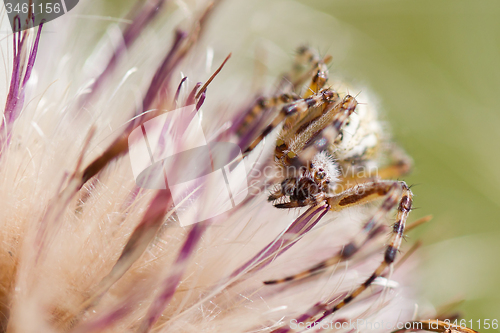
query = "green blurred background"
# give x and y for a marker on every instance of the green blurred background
(435, 67)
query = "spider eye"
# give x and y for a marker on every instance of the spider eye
(327, 181)
(311, 165)
(321, 174)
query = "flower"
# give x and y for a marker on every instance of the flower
(84, 249)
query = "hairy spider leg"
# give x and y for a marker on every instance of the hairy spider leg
(299, 132)
(400, 165)
(355, 196)
(306, 58)
(318, 135)
(404, 207)
(299, 106)
(263, 104)
(319, 78)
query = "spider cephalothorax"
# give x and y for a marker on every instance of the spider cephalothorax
(309, 184)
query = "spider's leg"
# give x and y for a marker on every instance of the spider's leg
(303, 65)
(306, 63)
(355, 196)
(289, 187)
(263, 104)
(284, 187)
(308, 66)
(318, 75)
(317, 137)
(322, 139)
(290, 109)
(398, 167)
(293, 138)
(404, 207)
(317, 82)
(298, 203)
(401, 164)
(276, 195)
(319, 78)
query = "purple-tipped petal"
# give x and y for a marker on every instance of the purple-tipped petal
(15, 97)
(107, 320)
(201, 100)
(138, 241)
(170, 284)
(191, 97)
(164, 72)
(292, 234)
(145, 16)
(178, 91)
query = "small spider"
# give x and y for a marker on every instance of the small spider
(325, 139)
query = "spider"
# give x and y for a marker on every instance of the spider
(324, 140)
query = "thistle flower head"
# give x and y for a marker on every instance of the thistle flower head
(85, 249)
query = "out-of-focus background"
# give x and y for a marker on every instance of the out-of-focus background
(435, 68)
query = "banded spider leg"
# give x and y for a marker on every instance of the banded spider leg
(317, 73)
(298, 107)
(398, 195)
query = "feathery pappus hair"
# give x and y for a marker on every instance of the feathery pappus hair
(85, 249)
